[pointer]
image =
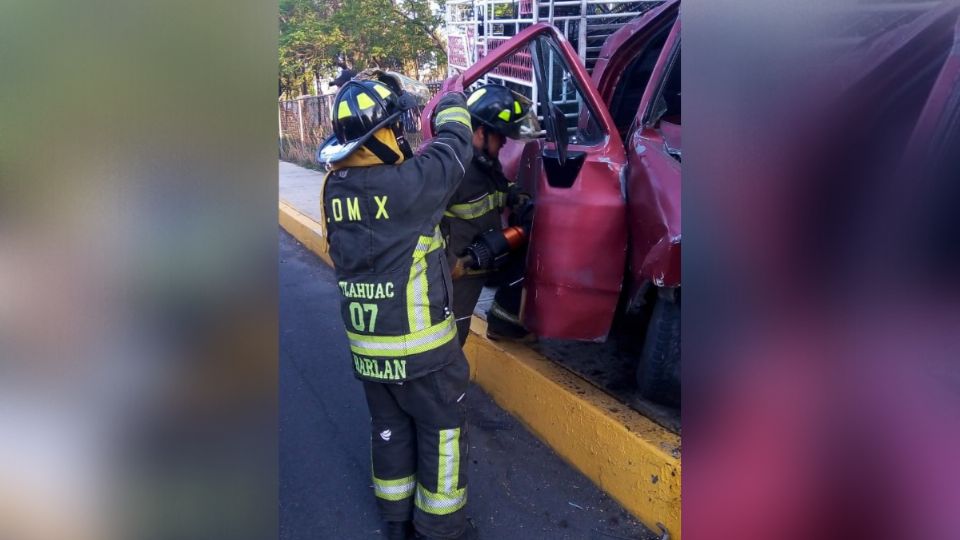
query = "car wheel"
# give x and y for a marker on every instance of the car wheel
(658, 372)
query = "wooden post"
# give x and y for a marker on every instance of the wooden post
(300, 118)
(280, 126)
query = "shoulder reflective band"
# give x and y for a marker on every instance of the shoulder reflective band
(472, 210)
(418, 298)
(448, 499)
(394, 490)
(406, 345)
(454, 114)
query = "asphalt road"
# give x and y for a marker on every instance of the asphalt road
(519, 488)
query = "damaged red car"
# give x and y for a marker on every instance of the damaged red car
(605, 176)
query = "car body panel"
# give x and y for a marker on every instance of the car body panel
(571, 224)
(653, 187)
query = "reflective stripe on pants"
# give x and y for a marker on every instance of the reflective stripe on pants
(448, 498)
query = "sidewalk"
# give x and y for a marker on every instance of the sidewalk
(631, 458)
(300, 188)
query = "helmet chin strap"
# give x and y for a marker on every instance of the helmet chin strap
(383, 152)
(386, 154)
(402, 142)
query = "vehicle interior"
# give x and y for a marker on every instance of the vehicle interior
(667, 106)
(559, 105)
(565, 115)
(626, 98)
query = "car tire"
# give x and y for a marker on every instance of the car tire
(658, 372)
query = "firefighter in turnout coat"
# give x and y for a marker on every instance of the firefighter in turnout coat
(383, 207)
(478, 206)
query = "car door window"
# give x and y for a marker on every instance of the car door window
(558, 87)
(666, 105)
(631, 83)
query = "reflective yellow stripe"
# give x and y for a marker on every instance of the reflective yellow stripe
(418, 298)
(440, 504)
(343, 110)
(448, 498)
(449, 470)
(364, 101)
(475, 96)
(454, 114)
(418, 301)
(394, 490)
(472, 210)
(504, 115)
(405, 345)
(382, 90)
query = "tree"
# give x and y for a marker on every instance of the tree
(390, 34)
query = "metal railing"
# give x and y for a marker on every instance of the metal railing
(477, 26)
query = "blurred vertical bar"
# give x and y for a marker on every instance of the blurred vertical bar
(821, 382)
(138, 304)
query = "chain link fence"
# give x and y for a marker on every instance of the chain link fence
(305, 122)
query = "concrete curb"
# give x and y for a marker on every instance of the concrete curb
(306, 230)
(631, 458)
(634, 460)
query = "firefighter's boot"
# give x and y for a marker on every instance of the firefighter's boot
(470, 533)
(502, 325)
(399, 530)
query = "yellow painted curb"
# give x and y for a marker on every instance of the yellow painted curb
(631, 458)
(306, 230)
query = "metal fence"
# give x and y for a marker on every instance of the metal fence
(304, 123)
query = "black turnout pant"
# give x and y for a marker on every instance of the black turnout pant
(419, 450)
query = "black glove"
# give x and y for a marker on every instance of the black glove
(517, 197)
(452, 108)
(521, 207)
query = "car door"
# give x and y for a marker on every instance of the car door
(653, 185)
(638, 75)
(577, 249)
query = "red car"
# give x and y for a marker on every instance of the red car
(606, 182)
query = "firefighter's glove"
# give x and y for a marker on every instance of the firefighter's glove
(517, 197)
(520, 204)
(452, 108)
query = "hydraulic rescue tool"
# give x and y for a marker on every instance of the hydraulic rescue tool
(489, 248)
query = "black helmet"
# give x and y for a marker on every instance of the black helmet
(360, 109)
(499, 109)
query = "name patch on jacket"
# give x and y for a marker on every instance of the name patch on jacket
(348, 208)
(384, 369)
(369, 291)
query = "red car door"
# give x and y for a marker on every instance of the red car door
(577, 250)
(637, 75)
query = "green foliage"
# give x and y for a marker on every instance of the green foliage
(393, 34)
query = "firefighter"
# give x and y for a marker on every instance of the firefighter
(477, 207)
(383, 207)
